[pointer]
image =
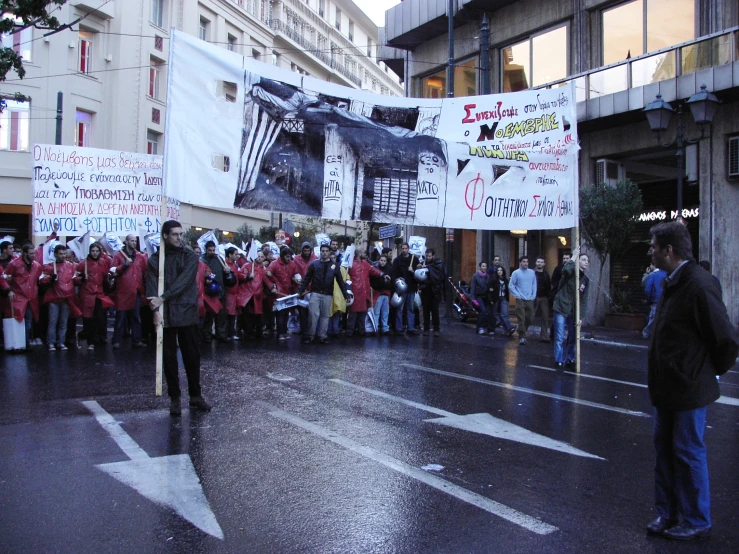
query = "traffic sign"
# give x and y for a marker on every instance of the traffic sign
(388, 231)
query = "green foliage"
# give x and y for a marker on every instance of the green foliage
(191, 236)
(621, 300)
(607, 217)
(243, 234)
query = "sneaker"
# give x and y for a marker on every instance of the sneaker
(324, 341)
(283, 337)
(307, 340)
(62, 347)
(116, 346)
(38, 342)
(510, 332)
(175, 407)
(236, 337)
(491, 333)
(425, 333)
(522, 340)
(52, 348)
(198, 404)
(139, 344)
(437, 334)
(91, 347)
(559, 367)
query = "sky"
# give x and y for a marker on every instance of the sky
(376, 9)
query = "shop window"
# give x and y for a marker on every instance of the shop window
(14, 126)
(538, 60)
(83, 128)
(20, 41)
(465, 81)
(640, 26)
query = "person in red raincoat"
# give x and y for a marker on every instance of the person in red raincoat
(130, 270)
(6, 256)
(232, 293)
(252, 296)
(60, 297)
(279, 278)
(22, 277)
(360, 273)
(91, 273)
(301, 263)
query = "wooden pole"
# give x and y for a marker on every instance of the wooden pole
(160, 291)
(577, 298)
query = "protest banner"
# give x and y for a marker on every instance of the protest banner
(101, 191)
(297, 144)
(417, 246)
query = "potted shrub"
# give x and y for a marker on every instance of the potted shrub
(622, 315)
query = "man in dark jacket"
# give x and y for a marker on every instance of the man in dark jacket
(320, 277)
(219, 269)
(692, 343)
(431, 291)
(403, 267)
(177, 310)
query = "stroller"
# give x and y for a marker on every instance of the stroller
(465, 306)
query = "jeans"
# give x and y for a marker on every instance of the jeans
(541, 305)
(681, 469)
(501, 310)
(124, 318)
(382, 311)
(320, 306)
(406, 308)
(334, 323)
(564, 352)
(525, 314)
(187, 339)
(486, 320)
(58, 316)
(647, 331)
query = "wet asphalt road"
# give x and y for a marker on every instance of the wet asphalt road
(320, 448)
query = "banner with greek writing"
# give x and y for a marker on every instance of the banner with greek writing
(101, 191)
(242, 134)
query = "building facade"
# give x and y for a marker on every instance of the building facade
(620, 54)
(111, 69)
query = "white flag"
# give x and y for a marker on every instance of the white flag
(206, 237)
(80, 246)
(49, 250)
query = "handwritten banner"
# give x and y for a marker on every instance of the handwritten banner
(297, 144)
(101, 191)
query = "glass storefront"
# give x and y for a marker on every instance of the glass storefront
(538, 60)
(465, 81)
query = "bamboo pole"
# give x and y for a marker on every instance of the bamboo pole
(577, 297)
(160, 291)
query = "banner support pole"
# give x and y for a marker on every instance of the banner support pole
(160, 291)
(578, 326)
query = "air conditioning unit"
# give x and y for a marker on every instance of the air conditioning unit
(733, 158)
(609, 172)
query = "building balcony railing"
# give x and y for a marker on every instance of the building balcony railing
(313, 49)
(682, 59)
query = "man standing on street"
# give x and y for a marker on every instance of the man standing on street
(564, 310)
(320, 277)
(653, 292)
(217, 268)
(21, 279)
(541, 304)
(130, 267)
(58, 278)
(301, 264)
(403, 267)
(432, 291)
(693, 342)
(523, 289)
(177, 310)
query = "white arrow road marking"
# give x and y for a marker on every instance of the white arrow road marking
(484, 424)
(730, 400)
(524, 389)
(168, 481)
(501, 510)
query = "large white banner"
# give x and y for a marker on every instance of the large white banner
(101, 191)
(242, 134)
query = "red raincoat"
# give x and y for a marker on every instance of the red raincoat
(301, 266)
(233, 293)
(25, 287)
(251, 289)
(129, 280)
(205, 301)
(282, 275)
(63, 288)
(92, 287)
(359, 273)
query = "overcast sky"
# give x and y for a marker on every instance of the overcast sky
(376, 9)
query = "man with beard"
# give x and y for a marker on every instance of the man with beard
(301, 264)
(130, 268)
(60, 297)
(279, 276)
(217, 268)
(94, 302)
(22, 277)
(431, 292)
(403, 267)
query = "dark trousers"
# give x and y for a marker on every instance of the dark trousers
(430, 303)
(304, 314)
(128, 319)
(221, 324)
(356, 322)
(282, 317)
(486, 319)
(188, 340)
(95, 328)
(251, 323)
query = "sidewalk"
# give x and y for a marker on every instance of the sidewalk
(613, 337)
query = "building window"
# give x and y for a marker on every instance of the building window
(275, 59)
(152, 142)
(256, 54)
(154, 76)
(157, 12)
(635, 28)
(231, 43)
(337, 20)
(321, 7)
(369, 47)
(203, 29)
(19, 41)
(83, 128)
(535, 61)
(351, 30)
(85, 52)
(14, 128)
(465, 82)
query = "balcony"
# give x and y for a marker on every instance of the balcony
(94, 7)
(674, 72)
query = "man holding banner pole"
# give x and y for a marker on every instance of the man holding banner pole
(176, 308)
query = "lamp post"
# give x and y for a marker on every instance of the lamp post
(703, 105)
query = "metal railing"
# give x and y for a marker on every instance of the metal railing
(681, 59)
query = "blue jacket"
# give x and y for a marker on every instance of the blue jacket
(653, 285)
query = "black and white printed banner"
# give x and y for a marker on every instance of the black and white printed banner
(243, 134)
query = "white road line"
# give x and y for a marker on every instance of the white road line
(437, 411)
(509, 514)
(731, 401)
(526, 390)
(613, 343)
(122, 439)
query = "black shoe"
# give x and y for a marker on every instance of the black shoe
(224, 339)
(324, 341)
(139, 344)
(559, 366)
(510, 332)
(197, 403)
(685, 532)
(425, 333)
(569, 364)
(660, 525)
(413, 333)
(307, 340)
(175, 407)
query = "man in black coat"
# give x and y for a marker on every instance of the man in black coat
(692, 343)
(403, 267)
(177, 309)
(431, 291)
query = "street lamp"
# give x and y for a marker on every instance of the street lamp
(702, 105)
